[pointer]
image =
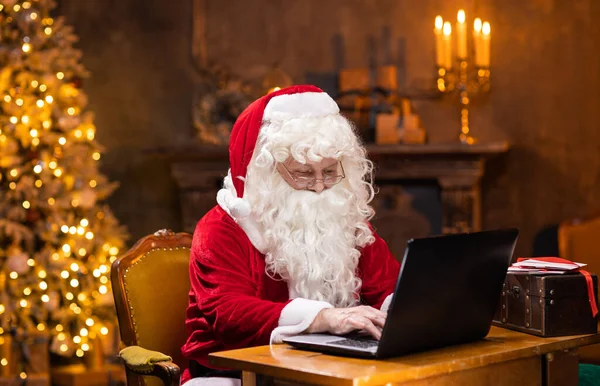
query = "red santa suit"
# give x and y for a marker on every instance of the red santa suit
(233, 302)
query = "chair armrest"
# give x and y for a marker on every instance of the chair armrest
(146, 362)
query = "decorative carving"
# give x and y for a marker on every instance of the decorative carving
(199, 171)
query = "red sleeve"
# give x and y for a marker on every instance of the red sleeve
(226, 284)
(378, 271)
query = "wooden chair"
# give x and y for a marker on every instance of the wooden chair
(150, 286)
(578, 240)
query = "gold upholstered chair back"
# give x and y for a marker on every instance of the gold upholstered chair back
(151, 285)
(578, 241)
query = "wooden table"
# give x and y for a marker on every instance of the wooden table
(504, 357)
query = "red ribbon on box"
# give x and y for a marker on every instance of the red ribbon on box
(588, 278)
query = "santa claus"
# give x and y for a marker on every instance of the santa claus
(289, 248)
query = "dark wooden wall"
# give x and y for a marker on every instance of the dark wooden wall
(544, 100)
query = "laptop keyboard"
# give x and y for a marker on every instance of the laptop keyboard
(356, 342)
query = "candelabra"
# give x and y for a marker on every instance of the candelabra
(465, 84)
(455, 77)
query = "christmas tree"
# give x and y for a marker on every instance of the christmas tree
(57, 240)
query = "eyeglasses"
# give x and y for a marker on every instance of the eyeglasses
(309, 182)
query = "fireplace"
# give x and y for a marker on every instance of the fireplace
(422, 189)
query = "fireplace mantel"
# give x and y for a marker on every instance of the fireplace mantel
(198, 172)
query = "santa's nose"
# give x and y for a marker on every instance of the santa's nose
(318, 187)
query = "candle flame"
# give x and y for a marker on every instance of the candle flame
(486, 29)
(461, 16)
(439, 22)
(447, 29)
(477, 25)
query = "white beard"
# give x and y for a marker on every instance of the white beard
(311, 240)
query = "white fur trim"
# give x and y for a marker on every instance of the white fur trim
(296, 317)
(386, 303)
(239, 210)
(308, 104)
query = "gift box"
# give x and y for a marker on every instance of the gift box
(24, 353)
(25, 358)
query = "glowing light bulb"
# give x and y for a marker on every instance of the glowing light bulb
(30, 262)
(26, 204)
(485, 28)
(62, 140)
(41, 327)
(89, 235)
(74, 283)
(49, 99)
(43, 87)
(58, 172)
(64, 274)
(89, 322)
(85, 347)
(37, 169)
(43, 285)
(59, 327)
(33, 15)
(477, 25)
(35, 141)
(79, 353)
(93, 183)
(64, 347)
(42, 274)
(66, 248)
(27, 291)
(23, 375)
(48, 30)
(84, 222)
(78, 133)
(14, 120)
(77, 339)
(33, 132)
(23, 303)
(38, 183)
(71, 111)
(96, 156)
(82, 251)
(51, 201)
(60, 75)
(97, 273)
(80, 231)
(439, 22)
(102, 289)
(64, 228)
(34, 83)
(69, 296)
(74, 267)
(47, 124)
(2, 308)
(26, 5)
(13, 275)
(104, 331)
(113, 250)
(39, 103)
(26, 47)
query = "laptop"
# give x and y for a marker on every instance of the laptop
(447, 292)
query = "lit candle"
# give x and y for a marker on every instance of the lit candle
(461, 35)
(439, 42)
(477, 25)
(447, 45)
(485, 45)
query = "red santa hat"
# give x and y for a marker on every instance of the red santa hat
(287, 103)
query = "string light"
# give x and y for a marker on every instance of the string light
(74, 267)
(43, 87)
(80, 231)
(13, 275)
(26, 47)
(40, 103)
(58, 172)
(71, 111)
(51, 201)
(48, 30)
(64, 347)
(49, 99)
(23, 375)
(35, 141)
(26, 204)
(45, 298)
(33, 16)
(59, 327)
(64, 229)
(84, 222)
(4, 362)
(89, 235)
(38, 183)
(64, 274)
(14, 120)
(84, 332)
(96, 156)
(69, 296)
(23, 303)
(19, 102)
(104, 331)
(14, 172)
(41, 327)
(77, 339)
(93, 183)
(30, 262)
(27, 291)
(34, 83)
(32, 132)
(43, 285)
(74, 283)
(42, 274)
(7, 98)
(12, 185)
(85, 347)
(26, 5)
(2, 309)
(47, 124)
(103, 290)
(80, 353)
(60, 75)
(25, 119)
(89, 322)
(17, 8)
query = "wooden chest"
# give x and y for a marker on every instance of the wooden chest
(547, 305)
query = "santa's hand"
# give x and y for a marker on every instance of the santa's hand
(340, 321)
